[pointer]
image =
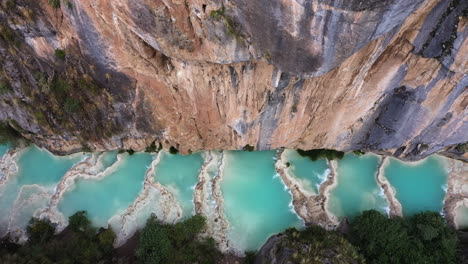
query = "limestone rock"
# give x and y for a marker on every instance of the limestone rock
(385, 76)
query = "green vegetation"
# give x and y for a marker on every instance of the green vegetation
(79, 222)
(8, 4)
(152, 148)
(8, 134)
(80, 243)
(173, 150)
(40, 231)
(54, 3)
(60, 54)
(6, 33)
(359, 152)
(231, 27)
(314, 245)
(4, 86)
(248, 148)
(373, 238)
(315, 154)
(163, 243)
(463, 148)
(71, 105)
(129, 151)
(69, 5)
(423, 238)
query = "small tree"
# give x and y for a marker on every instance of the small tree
(40, 230)
(79, 221)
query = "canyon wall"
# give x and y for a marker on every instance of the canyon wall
(387, 76)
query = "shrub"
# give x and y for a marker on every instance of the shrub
(8, 135)
(179, 243)
(60, 54)
(423, 238)
(154, 245)
(60, 87)
(173, 150)
(40, 231)
(315, 154)
(106, 239)
(6, 33)
(248, 148)
(153, 148)
(54, 3)
(4, 86)
(71, 105)
(359, 152)
(79, 221)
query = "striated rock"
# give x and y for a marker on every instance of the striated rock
(313, 245)
(385, 76)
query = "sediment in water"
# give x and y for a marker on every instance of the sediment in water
(89, 168)
(208, 199)
(308, 206)
(395, 208)
(457, 189)
(153, 199)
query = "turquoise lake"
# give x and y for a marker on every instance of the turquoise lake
(3, 150)
(179, 174)
(33, 185)
(110, 195)
(357, 189)
(256, 202)
(310, 174)
(419, 186)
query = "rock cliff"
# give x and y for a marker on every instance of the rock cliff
(380, 75)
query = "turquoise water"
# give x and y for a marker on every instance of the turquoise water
(256, 202)
(357, 188)
(462, 217)
(3, 150)
(179, 173)
(110, 195)
(39, 171)
(419, 186)
(310, 173)
(109, 158)
(38, 166)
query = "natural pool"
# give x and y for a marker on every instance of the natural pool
(310, 174)
(3, 150)
(110, 195)
(32, 186)
(357, 189)
(255, 201)
(179, 173)
(419, 186)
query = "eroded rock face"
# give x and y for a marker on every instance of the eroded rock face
(388, 76)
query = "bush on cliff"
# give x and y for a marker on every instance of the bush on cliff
(423, 238)
(8, 135)
(315, 154)
(314, 245)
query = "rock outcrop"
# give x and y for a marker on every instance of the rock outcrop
(385, 76)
